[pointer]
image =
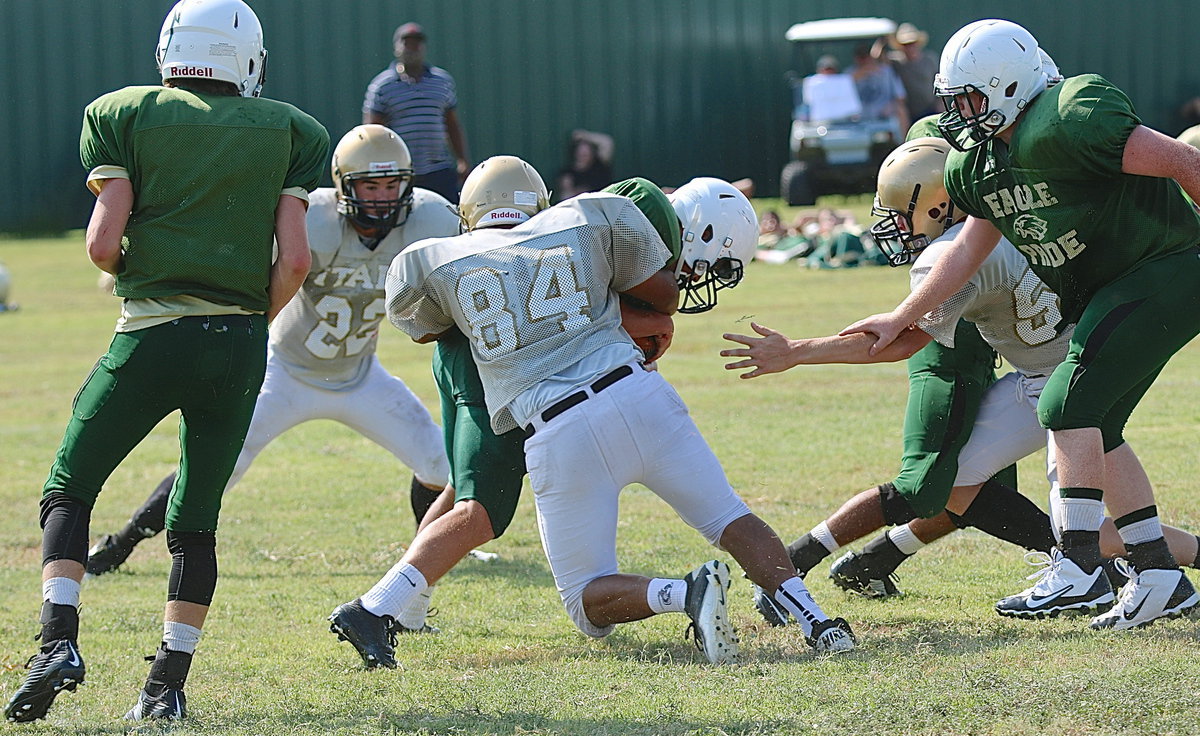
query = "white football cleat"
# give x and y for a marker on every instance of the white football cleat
(1061, 587)
(705, 605)
(1148, 596)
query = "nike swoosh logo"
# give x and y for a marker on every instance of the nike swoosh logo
(1131, 615)
(1035, 602)
(75, 660)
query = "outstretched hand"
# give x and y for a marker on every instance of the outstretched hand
(770, 353)
(885, 327)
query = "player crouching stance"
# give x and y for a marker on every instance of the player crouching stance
(540, 305)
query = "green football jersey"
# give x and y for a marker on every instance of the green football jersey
(207, 173)
(926, 127)
(1058, 194)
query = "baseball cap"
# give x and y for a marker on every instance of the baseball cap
(408, 29)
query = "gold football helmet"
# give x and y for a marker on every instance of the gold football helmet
(911, 199)
(372, 152)
(503, 190)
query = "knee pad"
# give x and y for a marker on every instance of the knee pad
(574, 605)
(64, 523)
(193, 566)
(896, 508)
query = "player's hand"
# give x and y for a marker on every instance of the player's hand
(771, 353)
(885, 327)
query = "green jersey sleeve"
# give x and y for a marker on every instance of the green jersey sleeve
(926, 127)
(102, 141)
(1086, 130)
(310, 152)
(650, 199)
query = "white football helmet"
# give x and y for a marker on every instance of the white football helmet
(213, 39)
(1001, 61)
(911, 200)
(720, 233)
(503, 190)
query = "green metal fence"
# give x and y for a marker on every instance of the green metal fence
(686, 87)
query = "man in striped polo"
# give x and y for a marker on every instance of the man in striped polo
(418, 101)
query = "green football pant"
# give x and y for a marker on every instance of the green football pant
(945, 388)
(208, 368)
(484, 466)
(1126, 335)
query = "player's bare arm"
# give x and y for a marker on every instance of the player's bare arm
(651, 330)
(1150, 153)
(970, 249)
(774, 352)
(291, 267)
(107, 224)
(660, 292)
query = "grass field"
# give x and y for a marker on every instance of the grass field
(323, 513)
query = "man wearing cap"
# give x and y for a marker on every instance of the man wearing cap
(916, 68)
(419, 102)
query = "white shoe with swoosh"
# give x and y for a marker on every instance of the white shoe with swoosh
(1148, 596)
(1060, 588)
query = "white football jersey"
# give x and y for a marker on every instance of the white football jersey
(533, 300)
(327, 333)
(1015, 312)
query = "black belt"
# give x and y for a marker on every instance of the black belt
(579, 397)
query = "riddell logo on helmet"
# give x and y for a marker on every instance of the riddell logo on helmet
(188, 71)
(506, 215)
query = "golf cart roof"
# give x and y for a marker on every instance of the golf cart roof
(840, 29)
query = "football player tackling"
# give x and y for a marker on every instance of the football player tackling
(1092, 199)
(539, 303)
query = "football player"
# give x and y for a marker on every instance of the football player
(539, 305)
(487, 468)
(1006, 305)
(321, 361)
(1092, 199)
(199, 285)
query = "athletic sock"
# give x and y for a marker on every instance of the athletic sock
(1152, 555)
(1082, 548)
(794, 596)
(61, 591)
(1140, 526)
(414, 614)
(180, 637)
(665, 595)
(907, 542)
(882, 556)
(806, 553)
(393, 592)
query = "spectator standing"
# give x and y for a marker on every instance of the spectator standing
(419, 102)
(916, 68)
(879, 88)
